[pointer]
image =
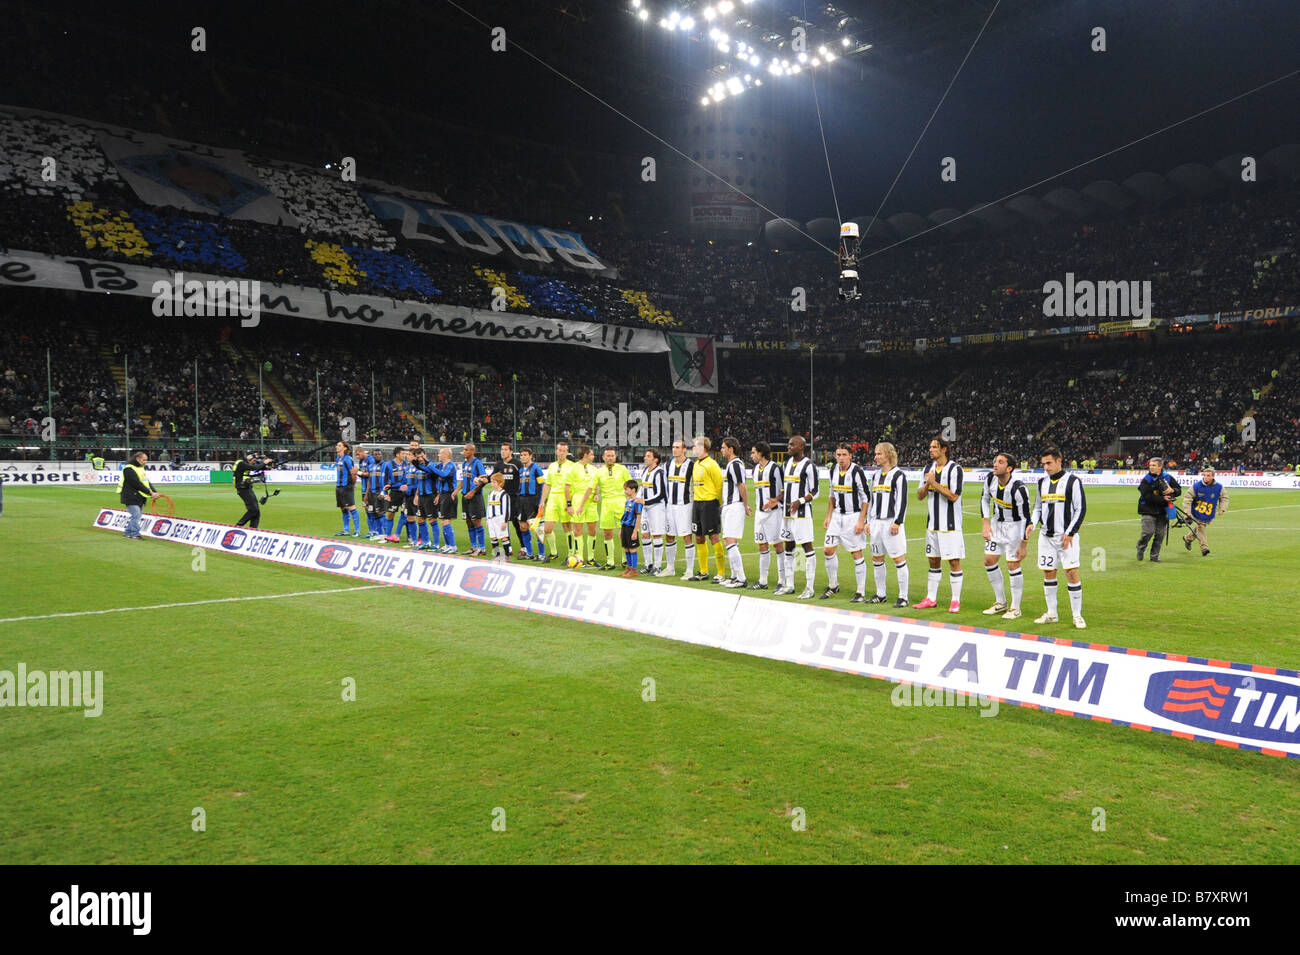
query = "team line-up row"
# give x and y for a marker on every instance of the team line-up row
(692, 500)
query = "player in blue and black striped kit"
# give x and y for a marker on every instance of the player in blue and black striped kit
(345, 476)
(630, 527)
(381, 478)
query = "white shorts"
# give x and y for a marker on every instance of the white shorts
(654, 520)
(883, 542)
(733, 520)
(1052, 556)
(1006, 540)
(797, 529)
(946, 545)
(767, 526)
(680, 523)
(841, 533)
(497, 528)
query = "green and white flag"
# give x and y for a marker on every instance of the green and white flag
(692, 362)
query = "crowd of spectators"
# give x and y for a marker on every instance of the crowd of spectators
(1193, 391)
(1213, 255)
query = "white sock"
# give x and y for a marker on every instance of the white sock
(932, 583)
(764, 565)
(1049, 592)
(690, 558)
(657, 561)
(1017, 588)
(879, 571)
(671, 562)
(904, 578)
(995, 581)
(954, 581)
(809, 568)
(1076, 598)
(860, 575)
(736, 561)
(832, 570)
(787, 561)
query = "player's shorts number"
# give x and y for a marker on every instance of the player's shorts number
(831, 541)
(1047, 561)
(786, 534)
(929, 549)
(990, 547)
(645, 525)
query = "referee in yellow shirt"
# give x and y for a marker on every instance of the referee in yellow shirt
(706, 511)
(611, 476)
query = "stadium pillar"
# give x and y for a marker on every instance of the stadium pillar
(49, 404)
(126, 391)
(811, 348)
(318, 430)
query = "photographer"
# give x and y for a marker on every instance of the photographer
(248, 471)
(1156, 494)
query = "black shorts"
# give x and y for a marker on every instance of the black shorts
(525, 508)
(707, 517)
(345, 496)
(412, 509)
(474, 507)
(427, 509)
(625, 536)
(446, 506)
(395, 499)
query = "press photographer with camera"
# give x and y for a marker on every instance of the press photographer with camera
(1156, 494)
(250, 470)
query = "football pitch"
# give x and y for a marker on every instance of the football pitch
(485, 734)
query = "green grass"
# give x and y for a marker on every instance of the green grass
(462, 707)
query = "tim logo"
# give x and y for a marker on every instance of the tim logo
(162, 527)
(233, 540)
(486, 582)
(1239, 704)
(105, 518)
(333, 556)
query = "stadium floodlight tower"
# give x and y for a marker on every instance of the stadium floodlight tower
(849, 261)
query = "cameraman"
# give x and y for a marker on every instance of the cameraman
(248, 471)
(1156, 494)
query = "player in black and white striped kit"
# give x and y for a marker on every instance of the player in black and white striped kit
(735, 508)
(1005, 513)
(888, 512)
(767, 514)
(846, 523)
(1059, 515)
(798, 492)
(680, 474)
(942, 484)
(654, 513)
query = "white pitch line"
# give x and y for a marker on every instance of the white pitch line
(192, 603)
